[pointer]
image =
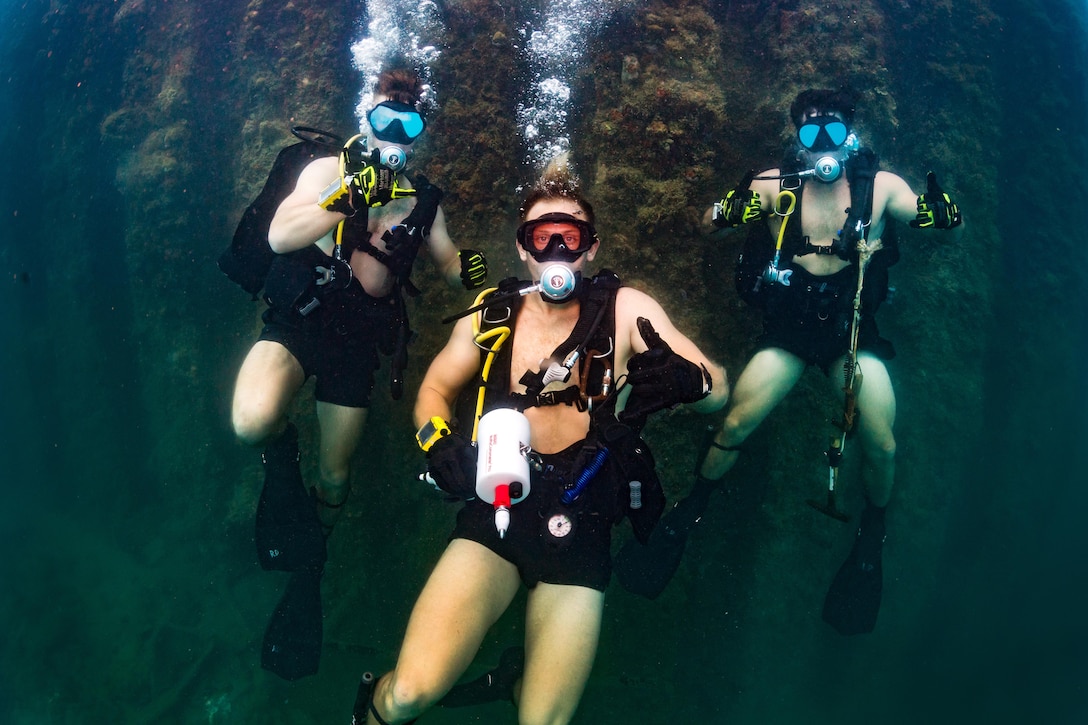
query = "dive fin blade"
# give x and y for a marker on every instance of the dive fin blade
(292, 640)
(646, 569)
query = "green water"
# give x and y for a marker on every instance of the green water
(131, 592)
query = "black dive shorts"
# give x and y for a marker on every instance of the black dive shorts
(339, 347)
(811, 319)
(549, 541)
(818, 345)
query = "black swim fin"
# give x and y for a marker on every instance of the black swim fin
(292, 640)
(647, 569)
(288, 533)
(853, 600)
(493, 686)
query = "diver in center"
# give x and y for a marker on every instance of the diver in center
(581, 362)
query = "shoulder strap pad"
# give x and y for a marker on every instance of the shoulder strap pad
(606, 279)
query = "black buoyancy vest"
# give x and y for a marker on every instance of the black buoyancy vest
(598, 295)
(248, 258)
(758, 249)
(593, 333)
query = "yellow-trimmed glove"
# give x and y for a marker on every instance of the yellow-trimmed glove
(473, 268)
(365, 183)
(740, 206)
(451, 461)
(936, 210)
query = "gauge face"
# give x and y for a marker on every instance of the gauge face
(559, 525)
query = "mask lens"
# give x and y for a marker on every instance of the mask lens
(836, 131)
(568, 235)
(807, 134)
(556, 236)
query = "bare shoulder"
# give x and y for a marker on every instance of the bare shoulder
(319, 173)
(632, 303)
(889, 182)
(767, 188)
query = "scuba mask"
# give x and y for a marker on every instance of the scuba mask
(395, 122)
(556, 237)
(822, 133)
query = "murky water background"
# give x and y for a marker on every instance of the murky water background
(134, 134)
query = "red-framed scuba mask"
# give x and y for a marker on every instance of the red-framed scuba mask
(556, 237)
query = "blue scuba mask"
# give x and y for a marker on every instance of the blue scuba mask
(823, 133)
(395, 122)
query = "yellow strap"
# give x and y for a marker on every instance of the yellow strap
(785, 193)
(496, 336)
(499, 335)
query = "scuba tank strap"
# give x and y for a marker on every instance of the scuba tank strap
(861, 172)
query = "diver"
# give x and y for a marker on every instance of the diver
(578, 340)
(816, 263)
(345, 241)
(823, 284)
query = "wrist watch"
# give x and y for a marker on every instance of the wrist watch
(431, 431)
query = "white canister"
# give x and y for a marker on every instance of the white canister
(502, 441)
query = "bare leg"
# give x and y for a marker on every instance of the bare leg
(764, 382)
(563, 626)
(341, 430)
(853, 600)
(268, 380)
(468, 590)
(876, 407)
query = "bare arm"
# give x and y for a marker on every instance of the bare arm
(902, 202)
(632, 304)
(451, 370)
(299, 221)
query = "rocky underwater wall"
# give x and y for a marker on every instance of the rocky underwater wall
(142, 129)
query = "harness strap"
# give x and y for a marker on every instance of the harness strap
(409, 235)
(595, 304)
(570, 395)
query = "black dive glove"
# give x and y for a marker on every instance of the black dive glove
(473, 268)
(740, 206)
(659, 378)
(936, 210)
(366, 183)
(451, 461)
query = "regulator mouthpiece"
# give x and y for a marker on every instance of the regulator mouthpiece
(827, 169)
(393, 157)
(557, 283)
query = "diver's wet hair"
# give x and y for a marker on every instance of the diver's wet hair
(402, 85)
(557, 182)
(841, 101)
